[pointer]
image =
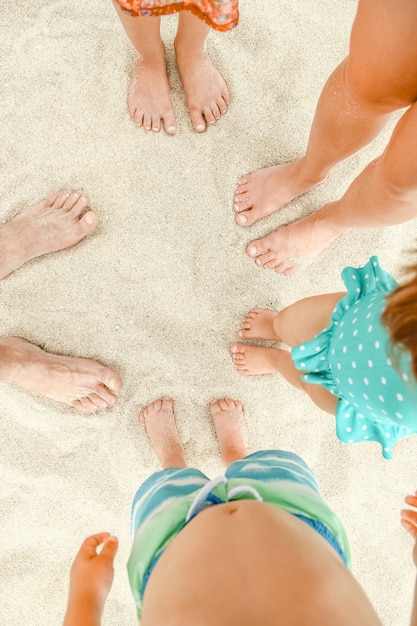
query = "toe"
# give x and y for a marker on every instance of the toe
(197, 121)
(79, 206)
(138, 117)
(147, 121)
(87, 224)
(210, 119)
(97, 401)
(241, 218)
(244, 180)
(53, 199)
(71, 200)
(156, 123)
(215, 110)
(256, 248)
(106, 395)
(222, 105)
(267, 259)
(242, 188)
(61, 200)
(170, 125)
(88, 405)
(111, 379)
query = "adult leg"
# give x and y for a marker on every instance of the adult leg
(60, 221)
(159, 421)
(83, 384)
(377, 78)
(205, 90)
(227, 414)
(384, 194)
(149, 99)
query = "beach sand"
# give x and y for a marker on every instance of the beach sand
(160, 290)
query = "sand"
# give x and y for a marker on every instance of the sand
(159, 291)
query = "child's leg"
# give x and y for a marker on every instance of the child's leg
(159, 421)
(149, 99)
(226, 414)
(205, 90)
(295, 324)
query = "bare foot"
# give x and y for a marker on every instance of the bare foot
(227, 414)
(149, 100)
(257, 360)
(58, 222)
(81, 383)
(285, 249)
(205, 90)
(266, 190)
(259, 324)
(159, 421)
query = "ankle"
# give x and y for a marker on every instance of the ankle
(233, 453)
(152, 55)
(10, 359)
(187, 50)
(310, 173)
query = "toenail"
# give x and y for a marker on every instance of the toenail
(242, 219)
(113, 384)
(258, 262)
(252, 250)
(199, 127)
(172, 129)
(89, 218)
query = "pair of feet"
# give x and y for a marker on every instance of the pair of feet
(149, 99)
(257, 360)
(159, 420)
(60, 221)
(264, 191)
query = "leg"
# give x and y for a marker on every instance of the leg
(227, 414)
(58, 222)
(149, 99)
(384, 194)
(377, 78)
(205, 90)
(81, 383)
(295, 324)
(159, 421)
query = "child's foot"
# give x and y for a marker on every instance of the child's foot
(205, 90)
(227, 414)
(259, 324)
(159, 421)
(58, 222)
(286, 249)
(149, 100)
(81, 383)
(257, 360)
(268, 189)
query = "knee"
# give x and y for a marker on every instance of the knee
(397, 180)
(360, 88)
(283, 327)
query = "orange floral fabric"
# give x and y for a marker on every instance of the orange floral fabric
(219, 14)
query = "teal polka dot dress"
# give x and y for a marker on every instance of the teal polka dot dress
(353, 358)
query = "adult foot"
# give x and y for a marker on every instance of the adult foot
(259, 324)
(149, 100)
(159, 421)
(81, 383)
(58, 222)
(266, 190)
(286, 249)
(227, 414)
(256, 360)
(205, 90)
